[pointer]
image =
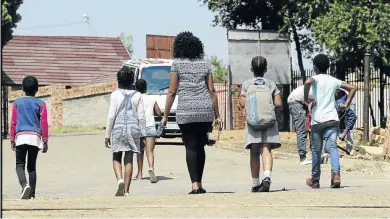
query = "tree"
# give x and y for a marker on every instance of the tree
(352, 27)
(219, 70)
(127, 41)
(9, 19)
(277, 15)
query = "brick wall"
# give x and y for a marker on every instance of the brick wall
(85, 106)
(90, 111)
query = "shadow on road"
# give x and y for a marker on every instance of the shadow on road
(158, 178)
(170, 143)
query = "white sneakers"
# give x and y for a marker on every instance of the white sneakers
(121, 188)
(153, 178)
(25, 194)
(305, 162)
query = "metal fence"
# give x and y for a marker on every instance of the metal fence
(222, 93)
(379, 93)
(4, 112)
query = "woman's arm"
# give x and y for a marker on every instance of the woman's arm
(157, 110)
(111, 114)
(213, 94)
(171, 94)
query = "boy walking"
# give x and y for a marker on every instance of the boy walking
(298, 111)
(259, 97)
(28, 134)
(325, 120)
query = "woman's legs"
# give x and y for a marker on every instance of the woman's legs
(140, 159)
(128, 161)
(194, 139)
(117, 165)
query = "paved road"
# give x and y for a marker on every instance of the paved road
(75, 179)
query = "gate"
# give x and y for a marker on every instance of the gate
(4, 112)
(222, 94)
(379, 95)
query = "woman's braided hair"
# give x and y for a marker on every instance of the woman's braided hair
(259, 65)
(125, 78)
(187, 46)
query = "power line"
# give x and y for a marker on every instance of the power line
(51, 26)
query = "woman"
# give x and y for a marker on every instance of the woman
(125, 126)
(191, 79)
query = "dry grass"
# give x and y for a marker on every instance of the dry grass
(235, 140)
(73, 130)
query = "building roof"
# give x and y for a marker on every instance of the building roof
(66, 60)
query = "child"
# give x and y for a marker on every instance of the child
(349, 117)
(125, 127)
(151, 108)
(324, 119)
(28, 134)
(261, 141)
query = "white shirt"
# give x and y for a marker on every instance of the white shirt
(324, 88)
(353, 101)
(29, 139)
(149, 102)
(297, 95)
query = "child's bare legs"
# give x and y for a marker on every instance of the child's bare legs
(266, 155)
(265, 151)
(255, 166)
(150, 141)
(150, 155)
(128, 161)
(140, 159)
(117, 165)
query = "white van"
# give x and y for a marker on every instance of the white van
(156, 72)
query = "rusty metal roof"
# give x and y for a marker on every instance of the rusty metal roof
(66, 60)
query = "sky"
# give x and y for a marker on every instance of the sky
(135, 17)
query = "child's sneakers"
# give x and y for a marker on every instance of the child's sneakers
(121, 188)
(265, 185)
(25, 194)
(305, 162)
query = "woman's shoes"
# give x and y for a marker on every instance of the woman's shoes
(194, 192)
(197, 191)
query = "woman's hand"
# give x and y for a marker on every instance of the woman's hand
(107, 143)
(164, 121)
(219, 122)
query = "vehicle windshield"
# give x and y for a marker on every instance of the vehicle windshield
(157, 78)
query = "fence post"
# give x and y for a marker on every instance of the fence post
(366, 103)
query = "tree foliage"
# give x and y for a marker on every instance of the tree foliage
(277, 15)
(127, 41)
(351, 28)
(219, 70)
(9, 19)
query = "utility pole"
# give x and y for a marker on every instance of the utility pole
(366, 103)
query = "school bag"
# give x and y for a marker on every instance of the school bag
(259, 106)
